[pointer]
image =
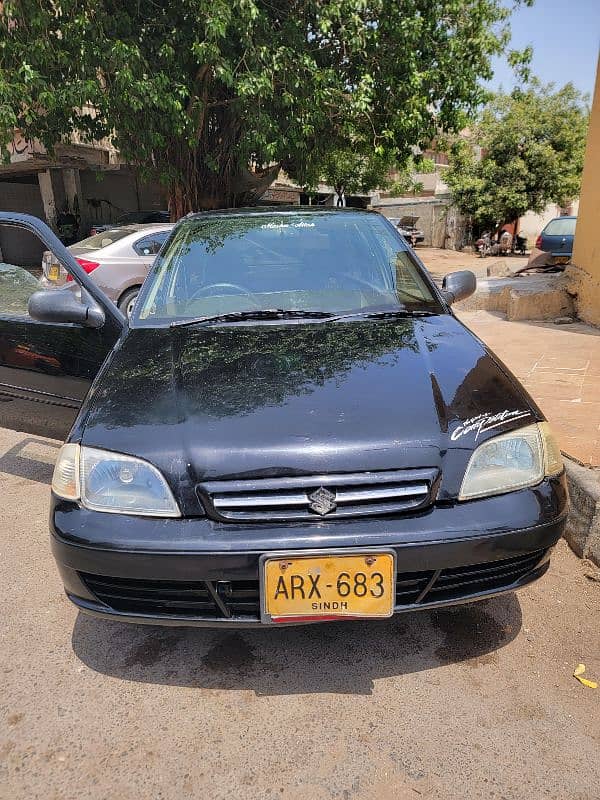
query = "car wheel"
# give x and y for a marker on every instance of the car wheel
(127, 301)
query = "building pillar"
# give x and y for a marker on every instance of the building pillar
(74, 195)
(585, 272)
(47, 193)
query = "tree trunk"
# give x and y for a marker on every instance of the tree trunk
(193, 192)
(212, 174)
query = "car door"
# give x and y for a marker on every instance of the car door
(46, 368)
(127, 263)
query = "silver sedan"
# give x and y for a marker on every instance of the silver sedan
(118, 260)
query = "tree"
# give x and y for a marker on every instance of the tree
(348, 170)
(216, 95)
(405, 181)
(524, 151)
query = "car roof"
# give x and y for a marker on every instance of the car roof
(274, 211)
(147, 211)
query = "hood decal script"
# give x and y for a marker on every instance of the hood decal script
(485, 422)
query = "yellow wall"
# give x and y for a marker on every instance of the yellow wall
(586, 252)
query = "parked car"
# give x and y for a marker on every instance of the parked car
(292, 427)
(407, 227)
(133, 218)
(554, 245)
(118, 260)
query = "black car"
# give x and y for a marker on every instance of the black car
(132, 218)
(292, 427)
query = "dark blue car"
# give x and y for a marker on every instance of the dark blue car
(557, 239)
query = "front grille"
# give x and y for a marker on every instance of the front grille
(478, 578)
(240, 599)
(347, 495)
(206, 599)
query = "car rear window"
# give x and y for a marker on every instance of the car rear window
(100, 240)
(564, 226)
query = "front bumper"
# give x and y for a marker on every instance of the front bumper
(201, 573)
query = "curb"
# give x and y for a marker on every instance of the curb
(583, 523)
(526, 297)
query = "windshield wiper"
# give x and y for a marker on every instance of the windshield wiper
(389, 313)
(257, 313)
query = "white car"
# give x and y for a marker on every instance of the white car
(118, 260)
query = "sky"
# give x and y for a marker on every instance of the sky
(565, 37)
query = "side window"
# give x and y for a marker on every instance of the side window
(150, 245)
(408, 281)
(20, 270)
(564, 226)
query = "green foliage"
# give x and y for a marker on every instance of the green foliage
(200, 89)
(348, 170)
(532, 146)
(405, 181)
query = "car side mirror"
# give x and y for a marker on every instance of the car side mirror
(458, 286)
(64, 305)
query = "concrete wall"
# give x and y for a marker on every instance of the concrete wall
(585, 272)
(102, 196)
(19, 247)
(432, 216)
(109, 194)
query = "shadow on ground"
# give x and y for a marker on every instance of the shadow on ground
(31, 458)
(341, 658)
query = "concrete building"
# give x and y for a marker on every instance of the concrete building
(86, 180)
(585, 270)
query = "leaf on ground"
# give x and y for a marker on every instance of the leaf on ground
(578, 672)
(592, 575)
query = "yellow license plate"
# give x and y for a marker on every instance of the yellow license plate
(562, 259)
(54, 272)
(328, 586)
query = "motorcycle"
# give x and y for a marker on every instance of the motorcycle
(484, 245)
(520, 244)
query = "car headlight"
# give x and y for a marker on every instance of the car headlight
(512, 461)
(111, 482)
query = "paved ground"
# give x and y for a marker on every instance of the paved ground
(439, 262)
(474, 702)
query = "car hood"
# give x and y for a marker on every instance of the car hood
(268, 400)
(409, 222)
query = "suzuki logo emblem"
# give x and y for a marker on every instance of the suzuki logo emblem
(322, 501)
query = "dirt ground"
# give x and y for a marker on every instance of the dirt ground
(472, 702)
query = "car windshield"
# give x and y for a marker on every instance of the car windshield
(319, 261)
(563, 226)
(100, 240)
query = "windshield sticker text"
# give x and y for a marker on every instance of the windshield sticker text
(485, 422)
(278, 225)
